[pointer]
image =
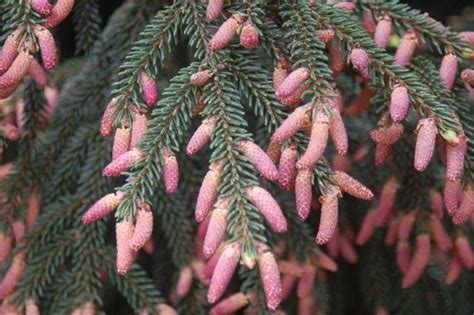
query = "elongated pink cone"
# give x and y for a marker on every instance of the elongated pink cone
(425, 143)
(274, 151)
(13, 275)
(287, 168)
(291, 83)
(368, 21)
(325, 36)
(467, 75)
(214, 9)
(10, 131)
(338, 133)
(387, 135)
(399, 103)
(149, 247)
(208, 192)
(47, 46)
(329, 215)
(19, 68)
(464, 252)
(468, 36)
(454, 271)
(271, 281)
(406, 226)
(33, 208)
(317, 142)
(249, 36)
(230, 304)
(202, 228)
(200, 78)
(143, 228)
(455, 159)
(333, 246)
(31, 308)
(437, 203)
(303, 193)
(106, 125)
(7, 92)
(348, 251)
(367, 228)
(387, 200)
(121, 142)
(225, 268)
(202, 135)
(42, 6)
(149, 89)
(60, 11)
(185, 281)
(361, 103)
(337, 62)
(403, 256)
(170, 170)
(291, 267)
(226, 32)
(439, 234)
(9, 51)
(102, 207)
(392, 232)
(125, 255)
(295, 99)
(448, 70)
(19, 230)
(280, 72)
(216, 231)
(212, 262)
(325, 262)
(260, 159)
(295, 121)
(123, 162)
(419, 261)
(268, 207)
(406, 49)
(306, 282)
(360, 61)
(6, 244)
(140, 126)
(383, 30)
(37, 73)
(351, 186)
(452, 195)
(466, 208)
(288, 283)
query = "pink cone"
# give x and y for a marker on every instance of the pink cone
(368, 21)
(341, 163)
(329, 215)
(437, 203)
(454, 271)
(47, 46)
(325, 36)
(337, 131)
(387, 135)
(249, 36)
(383, 30)
(212, 262)
(224, 271)
(271, 281)
(287, 168)
(200, 78)
(464, 252)
(60, 11)
(14, 75)
(452, 195)
(103, 207)
(202, 135)
(19, 230)
(468, 36)
(33, 208)
(185, 281)
(399, 103)
(419, 261)
(274, 151)
(367, 228)
(149, 89)
(406, 226)
(346, 5)
(260, 159)
(466, 208)
(280, 72)
(455, 158)
(361, 103)
(467, 75)
(392, 232)
(170, 171)
(268, 207)
(125, 255)
(351, 186)
(333, 246)
(360, 61)
(42, 6)
(143, 228)
(208, 192)
(13, 275)
(303, 193)
(37, 73)
(225, 33)
(337, 62)
(306, 281)
(9, 51)
(295, 121)
(448, 70)
(214, 9)
(216, 230)
(31, 308)
(10, 131)
(348, 251)
(230, 305)
(325, 262)
(406, 49)
(106, 125)
(287, 285)
(387, 200)
(403, 256)
(317, 142)
(123, 162)
(294, 80)
(439, 234)
(425, 143)
(6, 244)
(295, 99)
(121, 142)
(139, 127)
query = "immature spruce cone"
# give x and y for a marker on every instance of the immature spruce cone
(468, 36)
(387, 135)
(9, 51)
(406, 49)
(149, 89)
(399, 103)
(303, 193)
(185, 281)
(437, 203)
(467, 75)
(47, 46)
(230, 304)
(268, 207)
(103, 207)
(383, 30)
(466, 207)
(325, 36)
(217, 227)
(60, 11)
(419, 261)
(455, 154)
(208, 192)
(43, 7)
(223, 272)
(337, 131)
(351, 186)
(454, 271)
(37, 73)
(260, 159)
(225, 33)
(439, 234)
(329, 215)
(143, 228)
(317, 142)
(249, 36)
(287, 168)
(200, 78)
(13, 275)
(403, 256)
(452, 195)
(6, 244)
(382, 152)
(367, 228)
(139, 127)
(121, 142)
(214, 9)
(202, 135)
(360, 61)
(108, 118)
(294, 122)
(306, 282)
(19, 68)
(31, 308)
(387, 200)
(448, 70)
(125, 255)
(271, 281)
(406, 226)
(425, 143)
(294, 80)
(122, 163)
(464, 251)
(170, 171)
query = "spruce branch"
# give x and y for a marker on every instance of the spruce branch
(87, 22)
